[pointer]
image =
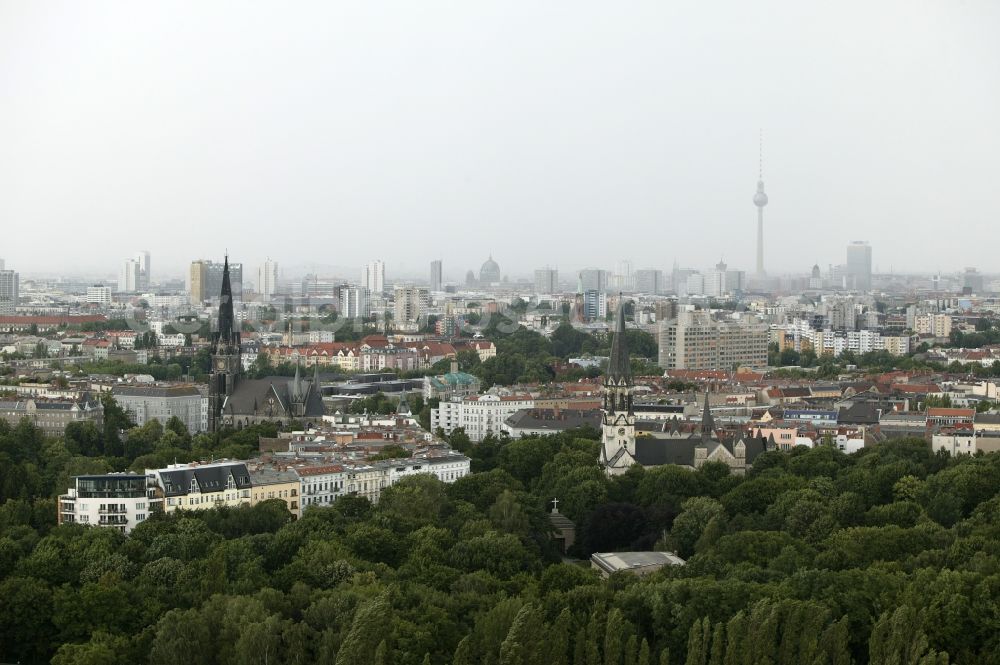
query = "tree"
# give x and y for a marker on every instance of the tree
(899, 639)
(366, 632)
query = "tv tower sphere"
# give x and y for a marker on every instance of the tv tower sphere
(760, 198)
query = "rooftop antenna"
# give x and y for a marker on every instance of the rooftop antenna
(760, 154)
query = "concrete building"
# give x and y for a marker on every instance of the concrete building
(267, 280)
(546, 281)
(650, 281)
(117, 500)
(206, 280)
(9, 292)
(129, 281)
(859, 266)
(936, 325)
(99, 295)
(145, 269)
(695, 341)
(373, 277)
(410, 303)
(634, 563)
(436, 276)
(595, 305)
(479, 416)
(353, 302)
(592, 279)
(454, 384)
(145, 403)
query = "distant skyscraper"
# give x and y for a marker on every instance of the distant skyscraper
(972, 281)
(649, 281)
(9, 285)
(436, 275)
(267, 279)
(623, 279)
(373, 277)
(859, 266)
(353, 302)
(760, 200)
(206, 280)
(143, 259)
(129, 280)
(546, 280)
(2, 265)
(593, 279)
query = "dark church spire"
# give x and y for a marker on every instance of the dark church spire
(619, 368)
(707, 423)
(228, 335)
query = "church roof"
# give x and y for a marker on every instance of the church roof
(618, 366)
(251, 395)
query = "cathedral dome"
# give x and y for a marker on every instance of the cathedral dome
(489, 272)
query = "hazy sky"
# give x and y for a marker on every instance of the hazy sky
(571, 133)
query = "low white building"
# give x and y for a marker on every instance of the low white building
(479, 415)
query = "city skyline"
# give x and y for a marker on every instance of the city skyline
(513, 148)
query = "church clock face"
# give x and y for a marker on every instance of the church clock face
(621, 431)
(220, 364)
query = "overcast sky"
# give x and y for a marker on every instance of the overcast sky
(569, 133)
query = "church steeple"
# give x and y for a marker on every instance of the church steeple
(226, 366)
(707, 422)
(619, 367)
(618, 416)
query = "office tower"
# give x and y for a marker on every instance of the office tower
(410, 303)
(129, 279)
(592, 279)
(695, 284)
(972, 281)
(595, 305)
(859, 266)
(373, 277)
(623, 279)
(143, 259)
(206, 280)
(649, 281)
(546, 280)
(2, 265)
(267, 279)
(353, 302)
(694, 341)
(436, 280)
(9, 285)
(760, 200)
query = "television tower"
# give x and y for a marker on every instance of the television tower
(760, 200)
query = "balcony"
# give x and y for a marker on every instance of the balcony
(112, 510)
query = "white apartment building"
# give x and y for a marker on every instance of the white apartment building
(373, 277)
(9, 284)
(479, 416)
(321, 483)
(117, 500)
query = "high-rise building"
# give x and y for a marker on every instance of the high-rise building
(353, 302)
(972, 281)
(546, 280)
(695, 341)
(649, 281)
(143, 259)
(623, 278)
(593, 279)
(130, 279)
(9, 285)
(410, 303)
(595, 305)
(2, 265)
(267, 279)
(859, 266)
(206, 280)
(760, 200)
(373, 277)
(436, 276)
